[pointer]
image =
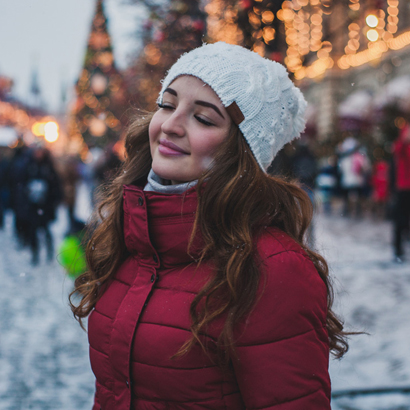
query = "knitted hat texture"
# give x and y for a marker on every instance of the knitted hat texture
(273, 108)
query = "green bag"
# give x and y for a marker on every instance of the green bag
(71, 256)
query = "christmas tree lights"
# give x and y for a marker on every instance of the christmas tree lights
(97, 113)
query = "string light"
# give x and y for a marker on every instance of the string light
(372, 35)
(372, 20)
(219, 27)
(392, 18)
(303, 21)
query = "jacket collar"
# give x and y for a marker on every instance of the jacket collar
(157, 226)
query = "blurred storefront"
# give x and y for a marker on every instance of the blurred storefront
(352, 60)
(25, 124)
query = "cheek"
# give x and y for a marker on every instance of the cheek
(205, 149)
(207, 145)
(154, 129)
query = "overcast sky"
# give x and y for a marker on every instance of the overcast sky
(52, 36)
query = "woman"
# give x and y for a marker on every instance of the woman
(201, 291)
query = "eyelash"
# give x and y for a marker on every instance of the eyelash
(199, 119)
(164, 106)
(202, 121)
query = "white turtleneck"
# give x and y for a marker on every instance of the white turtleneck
(157, 184)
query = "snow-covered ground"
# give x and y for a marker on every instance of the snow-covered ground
(44, 353)
(372, 295)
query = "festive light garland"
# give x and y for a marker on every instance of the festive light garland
(303, 22)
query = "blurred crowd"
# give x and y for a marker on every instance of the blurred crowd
(33, 184)
(353, 184)
(349, 182)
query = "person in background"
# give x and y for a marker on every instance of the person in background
(18, 193)
(327, 182)
(104, 170)
(107, 165)
(5, 153)
(44, 194)
(401, 155)
(304, 169)
(70, 176)
(355, 167)
(201, 290)
(380, 188)
(281, 165)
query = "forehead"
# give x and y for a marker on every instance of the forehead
(187, 85)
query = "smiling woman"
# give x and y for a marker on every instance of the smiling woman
(186, 131)
(201, 290)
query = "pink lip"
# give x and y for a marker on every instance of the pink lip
(169, 148)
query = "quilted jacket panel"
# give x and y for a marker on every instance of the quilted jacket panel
(142, 319)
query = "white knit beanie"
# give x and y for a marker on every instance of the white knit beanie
(257, 93)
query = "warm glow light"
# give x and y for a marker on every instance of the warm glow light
(97, 127)
(316, 19)
(327, 45)
(372, 20)
(268, 34)
(267, 17)
(304, 34)
(387, 36)
(391, 28)
(393, 11)
(322, 54)
(287, 14)
(372, 35)
(51, 131)
(152, 54)
(38, 129)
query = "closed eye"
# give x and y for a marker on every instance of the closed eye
(165, 106)
(205, 122)
(199, 119)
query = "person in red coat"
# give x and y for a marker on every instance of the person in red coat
(201, 290)
(401, 152)
(380, 185)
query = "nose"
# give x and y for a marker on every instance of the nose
(173, 125)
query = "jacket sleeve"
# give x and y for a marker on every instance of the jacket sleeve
(282, 349)
(96, 405)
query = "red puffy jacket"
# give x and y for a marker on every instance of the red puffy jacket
(142, 319)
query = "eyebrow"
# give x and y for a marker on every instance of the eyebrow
(198, 102)
(171, 91)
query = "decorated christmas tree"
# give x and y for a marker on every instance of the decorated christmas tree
(98, 112)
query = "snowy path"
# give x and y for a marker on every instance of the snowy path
(372, 295)
(44, 354)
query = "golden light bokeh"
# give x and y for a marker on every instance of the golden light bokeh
(371, 32)
(372, 35)
(51, 131)
(372, 20)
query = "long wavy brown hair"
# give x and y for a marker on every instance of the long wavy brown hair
(236, 202)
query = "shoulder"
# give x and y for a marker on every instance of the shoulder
(273, 242)
(292, 297)
(286, 266)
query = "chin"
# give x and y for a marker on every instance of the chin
(167, 174)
